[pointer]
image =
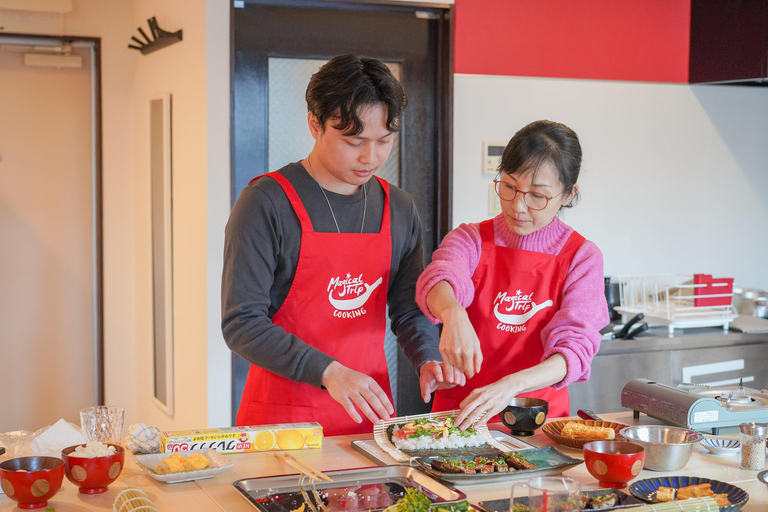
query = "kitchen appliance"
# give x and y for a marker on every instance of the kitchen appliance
(700, 408)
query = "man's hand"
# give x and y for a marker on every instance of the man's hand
(354, 389)
(434, 375)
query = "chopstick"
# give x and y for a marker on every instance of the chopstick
(302, 466)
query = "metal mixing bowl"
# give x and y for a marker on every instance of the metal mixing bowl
(666, 448)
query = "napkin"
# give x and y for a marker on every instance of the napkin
(55, 438)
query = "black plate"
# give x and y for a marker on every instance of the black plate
(548, 461)
(646, 489)
(625, 501)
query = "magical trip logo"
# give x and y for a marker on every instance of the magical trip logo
(349, 295)
(513, 311)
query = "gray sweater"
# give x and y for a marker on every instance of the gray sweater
(261, 250)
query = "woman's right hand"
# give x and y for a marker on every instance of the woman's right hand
(459, 344)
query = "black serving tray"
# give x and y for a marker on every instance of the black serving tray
(625, 501)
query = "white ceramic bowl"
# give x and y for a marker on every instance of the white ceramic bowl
(720, 446)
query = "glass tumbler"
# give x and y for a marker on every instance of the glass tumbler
(547, 494)
(753, 445)
(102, 423)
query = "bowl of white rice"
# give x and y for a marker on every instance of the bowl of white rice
(93, 466)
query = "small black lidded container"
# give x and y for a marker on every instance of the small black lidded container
(612, 297)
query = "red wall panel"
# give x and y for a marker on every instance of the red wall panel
(636, 40)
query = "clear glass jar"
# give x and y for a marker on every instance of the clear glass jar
(753, 446)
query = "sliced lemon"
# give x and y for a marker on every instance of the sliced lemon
(264, 440)
(289, 440)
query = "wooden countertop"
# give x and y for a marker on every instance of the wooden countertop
(217, 493)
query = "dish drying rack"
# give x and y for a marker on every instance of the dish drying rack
(678, 301)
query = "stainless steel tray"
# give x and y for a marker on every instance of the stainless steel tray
(370, 448)
(352, 489)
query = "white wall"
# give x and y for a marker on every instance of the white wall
(179, 69)
(674, 177)
(196, 73)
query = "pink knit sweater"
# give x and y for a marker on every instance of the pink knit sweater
(574, 331)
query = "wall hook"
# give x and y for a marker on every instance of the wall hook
(160, 38)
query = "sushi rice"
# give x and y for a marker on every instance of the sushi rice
(435, 434)
(449, 441)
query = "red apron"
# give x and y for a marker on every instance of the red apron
(516, 294)
(337, 303)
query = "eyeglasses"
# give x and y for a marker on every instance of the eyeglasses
(533, 200)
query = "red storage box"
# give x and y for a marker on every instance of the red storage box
(714, 286)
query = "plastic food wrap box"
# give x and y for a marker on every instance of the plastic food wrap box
(255, 438)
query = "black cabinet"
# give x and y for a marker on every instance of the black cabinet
(729, 41)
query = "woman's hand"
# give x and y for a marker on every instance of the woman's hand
(459, 344)
(435, 375)
(484, 403)
(354, 389)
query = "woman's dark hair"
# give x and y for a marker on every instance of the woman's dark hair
(348, 82)
(540, 143)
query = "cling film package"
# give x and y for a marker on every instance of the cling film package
(254, 438)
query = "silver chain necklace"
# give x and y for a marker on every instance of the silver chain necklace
(365, 199)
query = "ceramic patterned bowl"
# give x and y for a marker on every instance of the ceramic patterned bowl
(720, 446)
(31, 481)
(523, 415)
(613, 463)
(93, 475)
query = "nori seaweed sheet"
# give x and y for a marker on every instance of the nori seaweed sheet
(484, 450)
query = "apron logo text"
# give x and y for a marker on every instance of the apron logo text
(513, 311)
(349, 295)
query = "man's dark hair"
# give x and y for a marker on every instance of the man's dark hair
(348, 82)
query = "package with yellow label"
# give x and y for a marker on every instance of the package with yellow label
(255, 438)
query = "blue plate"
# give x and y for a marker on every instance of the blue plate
(646, 489)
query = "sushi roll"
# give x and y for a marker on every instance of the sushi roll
(433, 434)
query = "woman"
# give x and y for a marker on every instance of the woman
(522, 291)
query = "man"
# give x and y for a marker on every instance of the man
(313, 255)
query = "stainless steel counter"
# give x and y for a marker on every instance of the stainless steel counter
(656, 338)
(703, 355)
